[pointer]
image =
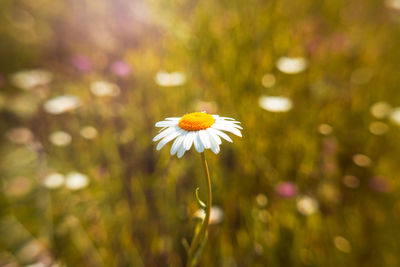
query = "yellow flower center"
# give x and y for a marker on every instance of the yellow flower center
(196, 121)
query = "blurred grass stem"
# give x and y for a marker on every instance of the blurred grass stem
(200, 236)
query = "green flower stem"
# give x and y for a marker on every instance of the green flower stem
(201, 234)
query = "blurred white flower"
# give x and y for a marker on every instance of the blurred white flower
(342, 244)
(31, 78)
(393, 4)
(61, 104)
(88, 132)
(216, 215)
(325, 129)
(307, 205)
(261, 200)
(53, 180)
(268, 80)
(275, 103)
(395, 116)
(290, 65)
(361, 160)
(351, 181)
(380, 109)
(378, 127)
(19, 135)
(60, 138)
(103, 88)
(76, 181)
(167, 79)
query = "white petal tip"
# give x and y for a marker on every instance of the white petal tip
(216, 152)
(200, 150)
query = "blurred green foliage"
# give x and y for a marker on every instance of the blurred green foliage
(340, 160)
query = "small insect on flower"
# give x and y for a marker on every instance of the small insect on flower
(200, 129)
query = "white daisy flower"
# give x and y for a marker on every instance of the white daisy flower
(291, 65)
(275, 103)
(200, 129)
(170, 79)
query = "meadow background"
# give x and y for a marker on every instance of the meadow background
(313, 182)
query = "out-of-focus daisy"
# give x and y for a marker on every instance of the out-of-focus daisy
(121, 68)
(380, 109)
(53, 180)
(76, 181)
(60, 138)
(167, 79)
(378, 128)
(88, 132)
(395, 116)
(342, 244)
(261, 200)
(103, 88)
(200, 129)
(393, 4)
(325, 129)
(351, 181)
(31, 78)
(61, 104)
(268, 80)
(216, 215)
(361, 160)
(275, 103)
(291, 65)
(307, 205)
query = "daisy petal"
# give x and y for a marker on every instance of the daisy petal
(167, 139)
(166, 123)
(198, 144)
(205, 139)
(214, 136)
(228, 123)
(221, 134)
(166, 132)
(181, 151)
(173, 119)
(227, 118)
(213, 142)
(189, 140)
(177, 144)
(227, 128)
